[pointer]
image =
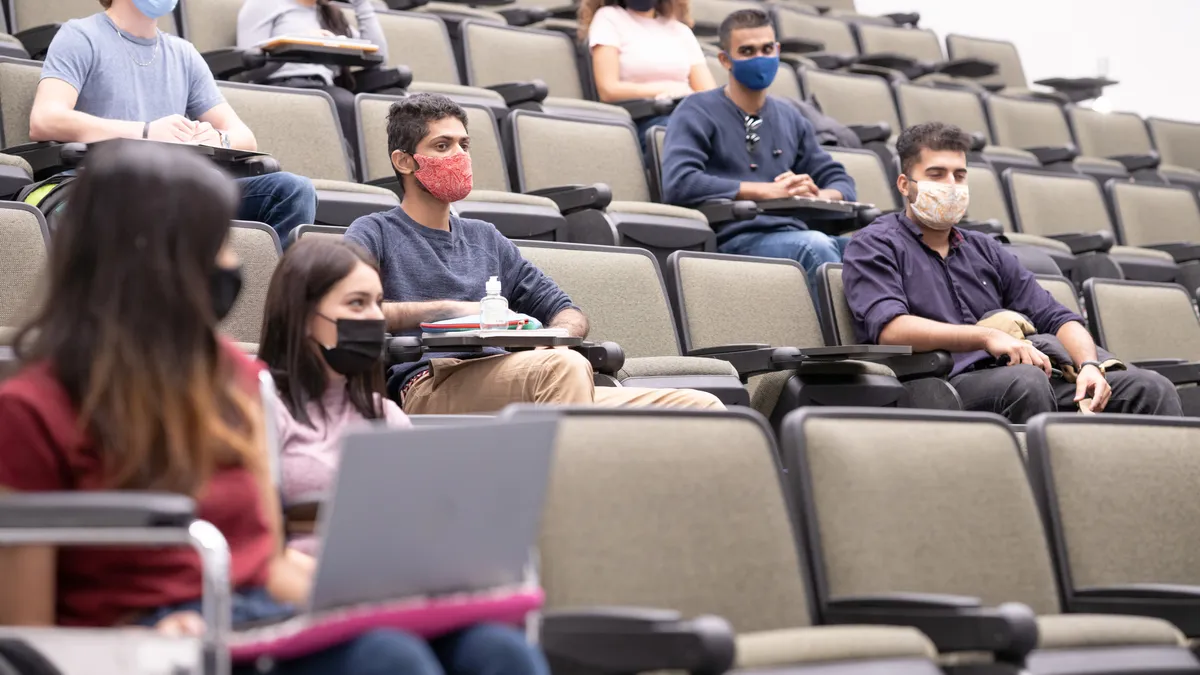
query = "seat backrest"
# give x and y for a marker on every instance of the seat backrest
(421, 42)
(1155, 214)
(1119, 313)
(726, 300)
(871, 181)
(701, 525)
(1062, 289)
(18, 86)
(1047, 204)
(713, 12)
(326, 232)
(299, 127)
(23, 254)
(257, 246)
(919, 104)
(837, 321)
(211, 24)
(552, 151)
(987, 196)
(635, 315)
(919, 44)
(1024, 123)
(28, 14)
(1178, 143)
(853, 99)
(1004, 54)
(1120, 516)
(372, 111)
(836, 35)
(921, 502)
(720, 75)
(1109, 134)
(498, 54)
(487, 159)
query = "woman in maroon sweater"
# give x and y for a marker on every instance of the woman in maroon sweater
(127, 386)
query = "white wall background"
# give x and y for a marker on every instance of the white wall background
(1150, 46)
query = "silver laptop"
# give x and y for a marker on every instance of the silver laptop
(432, 510)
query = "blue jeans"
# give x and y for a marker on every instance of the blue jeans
(281, 200)
(810, 248)
(644, 125)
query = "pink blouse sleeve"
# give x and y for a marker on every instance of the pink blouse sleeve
(394, 416)
(604, 30)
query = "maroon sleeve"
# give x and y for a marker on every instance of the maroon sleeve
(29, 456)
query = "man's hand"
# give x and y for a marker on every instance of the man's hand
(1091, 385)
(1018, 351)
(798, 185)
(205, 134)
(172, 129)
(181, 624)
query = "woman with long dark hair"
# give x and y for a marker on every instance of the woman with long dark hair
(261, 20)
(127, 386)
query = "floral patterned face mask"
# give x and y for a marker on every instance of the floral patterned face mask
(940, 206)
(448, 178)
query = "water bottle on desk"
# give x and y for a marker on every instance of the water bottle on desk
(493, 308)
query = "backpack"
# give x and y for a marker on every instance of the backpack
(49, 197)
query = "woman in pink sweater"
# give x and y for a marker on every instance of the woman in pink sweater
(323, 340)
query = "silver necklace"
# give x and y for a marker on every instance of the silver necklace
(132, 55)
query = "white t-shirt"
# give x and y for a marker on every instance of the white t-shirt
(651, 50)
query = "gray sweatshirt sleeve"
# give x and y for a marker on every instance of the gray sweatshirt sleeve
(256, 22)
(368, 26)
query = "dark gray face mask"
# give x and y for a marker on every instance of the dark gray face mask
(224, 286)
(359, 347)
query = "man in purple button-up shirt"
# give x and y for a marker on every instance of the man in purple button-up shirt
(912, 278)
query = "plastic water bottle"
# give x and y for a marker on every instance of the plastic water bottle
(493, 308)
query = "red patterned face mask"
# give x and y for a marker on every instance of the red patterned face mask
(446, 178)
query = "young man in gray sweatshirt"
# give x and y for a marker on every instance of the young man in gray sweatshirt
(434, 266)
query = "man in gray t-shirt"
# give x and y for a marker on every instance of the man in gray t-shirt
(115, 75)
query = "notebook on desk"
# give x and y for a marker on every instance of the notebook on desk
(329, 42)
(426, 530)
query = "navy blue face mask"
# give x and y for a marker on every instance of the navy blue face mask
(755, 73)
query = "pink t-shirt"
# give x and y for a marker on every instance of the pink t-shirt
(309, 455)
(651, 50)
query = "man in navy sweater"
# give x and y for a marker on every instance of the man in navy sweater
(736, 142)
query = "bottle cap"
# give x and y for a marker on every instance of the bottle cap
(492, 287)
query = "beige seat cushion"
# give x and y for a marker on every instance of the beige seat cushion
(663, 210)
(590, 108)
(1070, 631)
(357, 188)
(1009, 153)
(250, 348)
(674, 366)
(453, 90)
(501, 197)
(19, 162)
(1182, 172)
(830, 643)
(1100, 163)
(1035, 240)
(1139, 252)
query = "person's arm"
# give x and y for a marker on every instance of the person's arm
(573, 320)
(369, 28)
(829, 175)
(408, 316)
(1021, 292)
(610, 87)
(700, 78)
(686, 152)
(530, 291)
(206, 104)
(223, 118)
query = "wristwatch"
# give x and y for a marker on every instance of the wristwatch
(1085, 364)
(224, 138)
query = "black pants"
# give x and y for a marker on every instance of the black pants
(1021, 392)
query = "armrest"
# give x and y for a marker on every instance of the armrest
(867, 133)
(71, 510)
(291, 52)
(379, 79)
(1077, 89)
(403, 5)
(606, 357)
(919, 365)
(1086, 242)
(890, 74)
(835, 209)
(1178, 373)
(827, 61)
(524, 16)
(748, 359)
(37, 40)
(516, 93)
(903, 64)
(1181, 251)
(226, 63)
(404, 349)
(721, 211)
(978, 141)
(1175, 603)
(44, 157)
(800, 46)
(1156, 363)
(572, 198)
(992, 226)
(904, 18)
(1053, 155)
(954, 623)
(645, 108)
(970, 68)
(631, 640)
(1133, 163)
(857, 352)
(866, 214)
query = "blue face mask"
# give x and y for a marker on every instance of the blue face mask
(755, 73)
(155, 8)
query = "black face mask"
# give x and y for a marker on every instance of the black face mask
(359, 345)
(641, 5)
(224, 286)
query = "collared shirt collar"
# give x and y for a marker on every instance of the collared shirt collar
(956, 238)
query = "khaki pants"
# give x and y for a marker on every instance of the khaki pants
(550, 376)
